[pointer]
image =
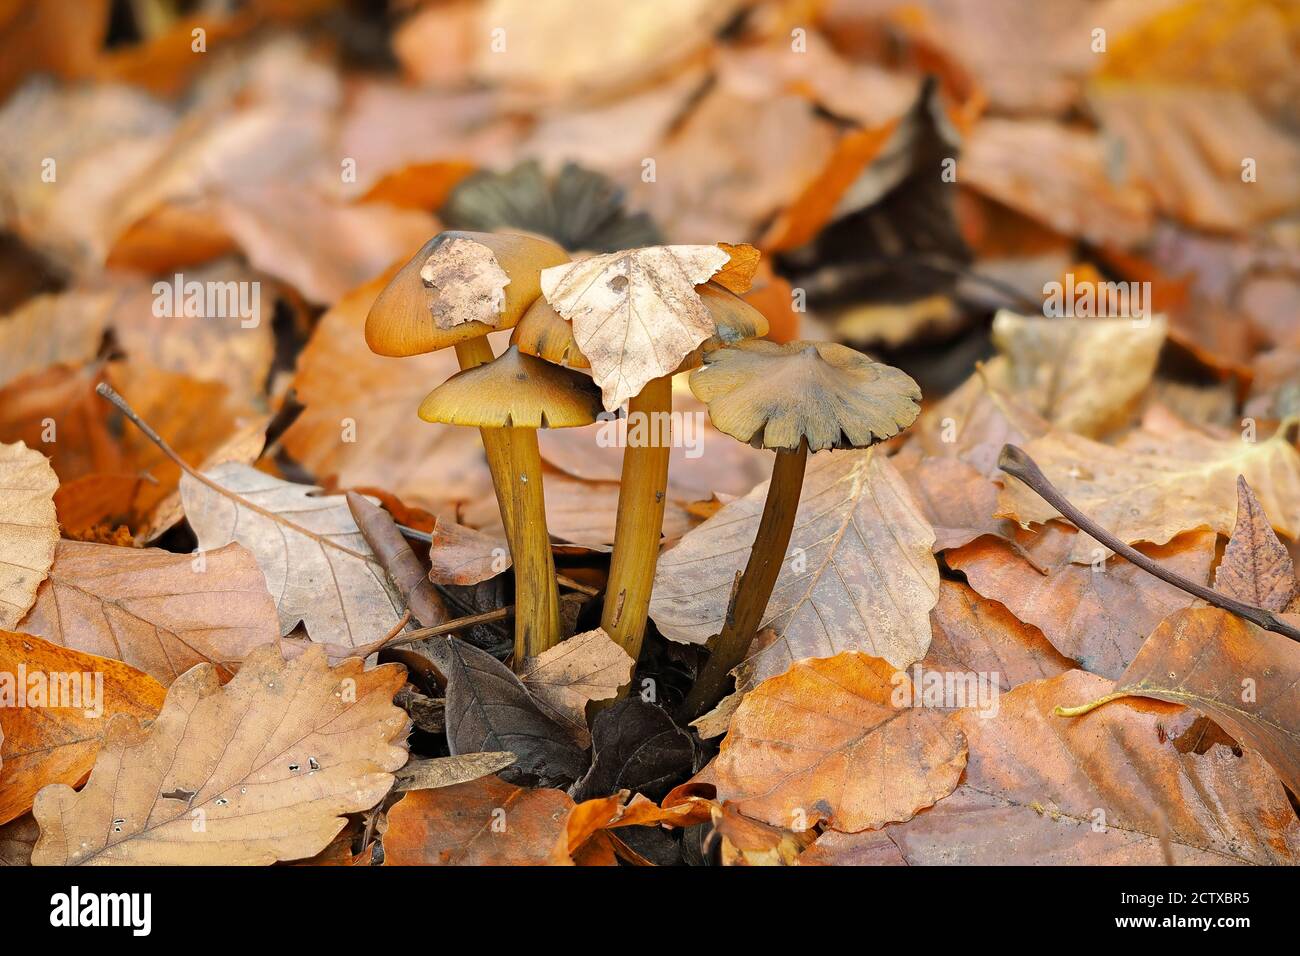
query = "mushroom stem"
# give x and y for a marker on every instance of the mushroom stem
(642, 495)
(537, 598)
(496, 445)
(755, 588)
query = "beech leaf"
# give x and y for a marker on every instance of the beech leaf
(29, 528)
(635, 314)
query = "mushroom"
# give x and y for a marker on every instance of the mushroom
(457, 289)
(643, 487)
(514, 395)
(792, 399)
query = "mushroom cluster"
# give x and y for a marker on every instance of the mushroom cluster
(793, 399)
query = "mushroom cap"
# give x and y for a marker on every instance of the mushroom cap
(545, 333)
(514, 391)
(775, 396)
(401, 320)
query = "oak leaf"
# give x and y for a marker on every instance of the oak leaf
(29, 528)
(268, 763)
(635, 314)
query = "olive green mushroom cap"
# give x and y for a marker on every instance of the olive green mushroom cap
(775, 396)
(545, 333)
(460, 285)
(514, 391)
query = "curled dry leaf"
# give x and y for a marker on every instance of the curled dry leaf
(1155, 486)
(449, 771)
(402, 566)
(568, 676)
(29, 528)
(635, 314)
(828, 741)
(1106, 789)
(1256, 566)
(1098, 614)
(1242, 676)
(154, 610)
(486, 822)
(54, 738)
(269, 762)
(858, 575)
(316, 562)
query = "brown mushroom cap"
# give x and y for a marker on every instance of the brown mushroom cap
(547, 334)
(514, 391)
(401, 320)
(774, 396)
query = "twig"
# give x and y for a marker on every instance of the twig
(564, 580)
(460, 623)
(1019, 465)
(107, 392)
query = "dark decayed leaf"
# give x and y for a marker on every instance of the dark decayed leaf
(489, 710)
(636, 746)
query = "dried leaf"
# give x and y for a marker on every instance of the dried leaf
(1256, 566)
(1243, 677)
(829, 741)
(269, 762)
(47, 330)
(54, 738)
(465, 283)
(489, 710)
(1106, 789)
(636, 746)
(461, 555)
(486, 822)
(402, 566)
(317, 565)
(159, 612)
(29, 528)
(568, 676)
(1098, 614)
(858, 575)
(1153, 487)
(449, 771)
(635, 314)
(1083, 375)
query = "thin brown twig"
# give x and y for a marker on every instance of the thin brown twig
(1015, 462)
(460, 623)
(107, 392)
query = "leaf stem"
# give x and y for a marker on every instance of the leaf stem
(1015, 462)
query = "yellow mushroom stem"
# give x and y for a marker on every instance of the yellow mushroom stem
(537, 597)
(642, 494)
(496, 445)
(745, 614)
